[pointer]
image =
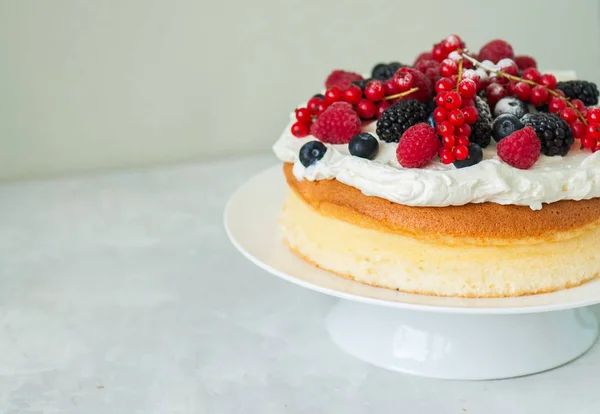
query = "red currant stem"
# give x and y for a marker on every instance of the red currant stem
(530, 82)
(460, 71)
(403, 94)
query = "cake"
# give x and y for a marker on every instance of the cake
(462, 175)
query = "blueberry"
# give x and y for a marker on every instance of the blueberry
(364, 146)
(475, 157)
(312, 152)
(505, 125)
(431, 121)
(319, 95)
(511, 105)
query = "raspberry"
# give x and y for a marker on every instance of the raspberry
(418, 146)
(496, 50)
(425, 91)
(524, 62)
(521, 149)
(423, 56)
(430, 68)
(337, 125)
(341, 79)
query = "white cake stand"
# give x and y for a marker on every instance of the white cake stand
(437, 337)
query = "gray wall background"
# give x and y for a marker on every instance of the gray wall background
(88, 85)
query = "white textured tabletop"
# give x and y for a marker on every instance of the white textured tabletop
(120, 293)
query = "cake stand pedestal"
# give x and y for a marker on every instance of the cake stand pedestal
(452, 338)
(459, 346)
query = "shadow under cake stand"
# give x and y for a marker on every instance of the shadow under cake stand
(452, 338)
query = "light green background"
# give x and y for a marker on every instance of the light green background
(89, 85)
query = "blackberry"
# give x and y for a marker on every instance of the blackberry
(554, 132)
(481, 131)
(383, 71)
(399, 117)
(587, 92)
(362, 84)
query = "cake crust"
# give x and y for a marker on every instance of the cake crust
(477, 223)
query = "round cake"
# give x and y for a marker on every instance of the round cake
(455, 176)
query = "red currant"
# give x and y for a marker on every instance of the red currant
(451, 43)
(464, 130)
(471, 115)
(452, 100)
(321, 107)
(531, 74)
(443, 85)
(438, 52)
(382, 106)
(588, 142)
(593, 131)
(303, 115)
(508, 66)
(391, 88)
(579, 105)
(548, 81)
(593, 115)
(468, 103)
(300, 129)
(522, 91)
(448, 141)
(448, 67)
(366, 109)
(313, 104)
(539, 95)
(353, 94)
(569, 115)
(334, 94)
(440, 99)
(579, 129)
(440, 114)
(495, 92)
(375, 91)
(461, 152)
(472, 75)
(467, 88)
(456, 117)
(446, 156)
(556, 104)
(405, 81)
(445, 128)
(462, 140)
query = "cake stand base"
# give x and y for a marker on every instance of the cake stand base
(461, 346)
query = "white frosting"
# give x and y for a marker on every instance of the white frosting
(573, 177)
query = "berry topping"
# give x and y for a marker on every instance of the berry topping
(383, 71)
(496, 50)
(334, 94)
(587, 92)
(396, 119)
(311, 152)
(524, 62)
(353, 94)
(504, 126)
(300, 129)
(418, 146)
(304, 115)
(366, 109)
(375, 91)
(363, 145)
(341, 79)
(337, 125)
(481, 131)
(510, 105)
(521, 149)
(475, 155)
(554, 133)
(409, 78)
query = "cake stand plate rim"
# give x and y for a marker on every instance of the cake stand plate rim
(251, 223)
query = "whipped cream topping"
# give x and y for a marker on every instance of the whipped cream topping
(573, 177)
